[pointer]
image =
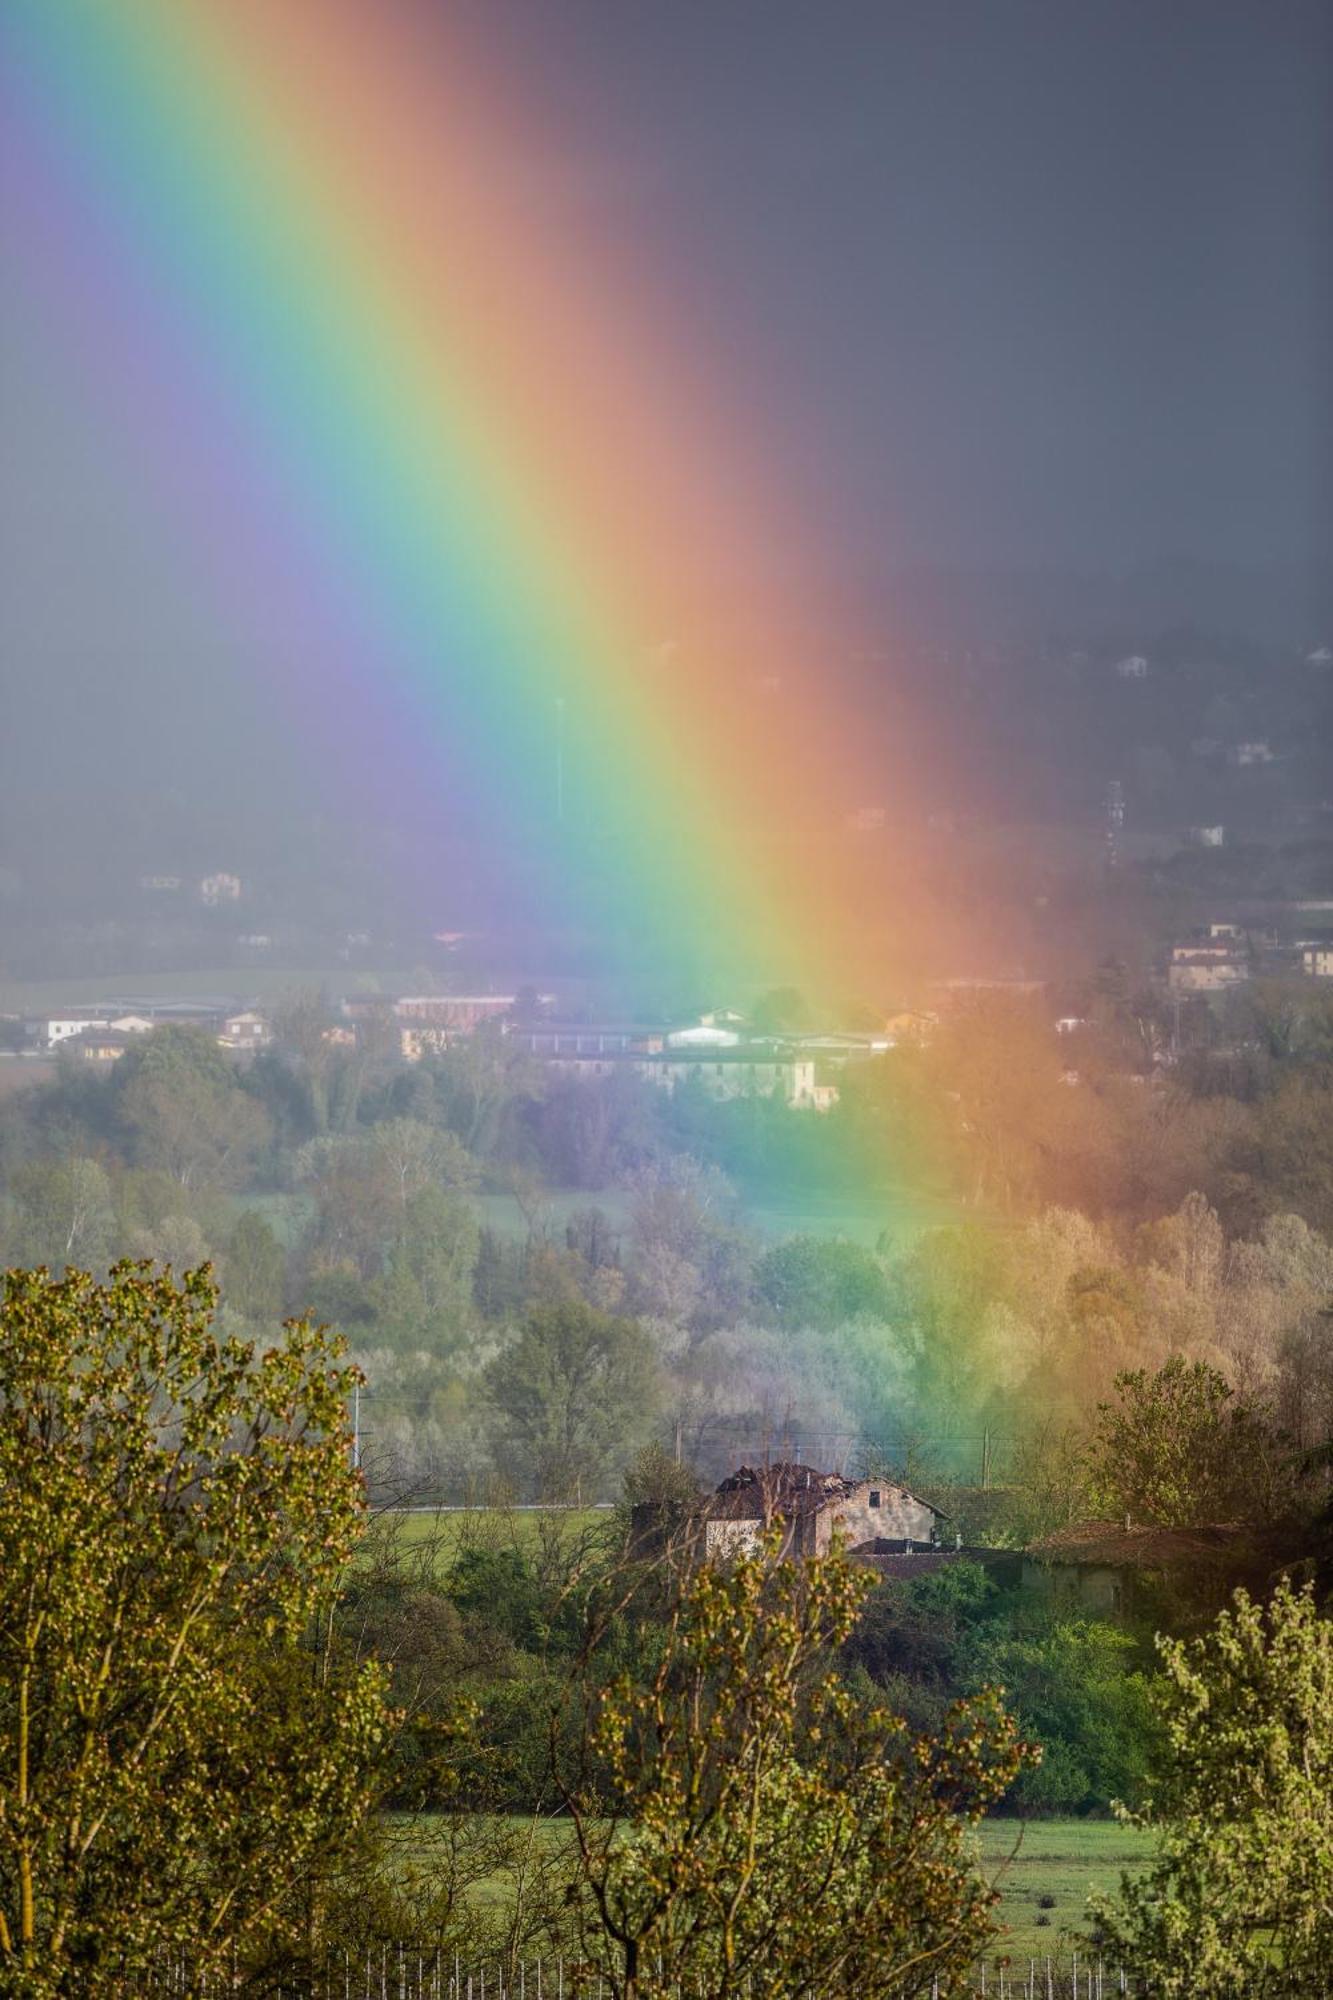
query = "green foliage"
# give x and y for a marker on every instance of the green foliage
(822, 1282)
(913, 1631)
(1182, 1448)
(187, 1111)
(574, 1395)
(254, 1268)
(177, 1766)
(762, 1827)
(424, 1297)
(1075, 1689)
(1240, 1898)
(62, 1213)
(499, 1583)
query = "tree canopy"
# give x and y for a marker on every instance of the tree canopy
(178, 1765)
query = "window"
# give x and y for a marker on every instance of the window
(874, 1496)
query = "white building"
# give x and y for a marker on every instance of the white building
(1317, 960)
(246, 1030)
(1132, 668)
(723, 1073)
(215, 889)
(50, 1030)
(1208, 965)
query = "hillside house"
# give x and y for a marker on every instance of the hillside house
(101, 1045)
(752, 1071)
(1097, 1566)
(246, 1031)
(1209, 964)
(459, 1012)
(813, 1507)
(48, 1031)
(1317, 961)
(219, 888)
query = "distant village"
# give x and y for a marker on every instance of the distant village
(720, 1052)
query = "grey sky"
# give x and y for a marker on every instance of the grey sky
(1024, 281)
(1030, 282)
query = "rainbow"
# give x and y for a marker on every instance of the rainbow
(474, 469)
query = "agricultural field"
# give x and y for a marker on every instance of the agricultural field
(1029, 1861)
(443, 1531)
(1063, 1859)
(896, 1214)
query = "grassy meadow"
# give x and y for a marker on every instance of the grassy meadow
(443, 1531)
(1065, 1859)
(1029, 1861)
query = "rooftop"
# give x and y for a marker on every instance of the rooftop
(789, 1489)
(1114, 1544)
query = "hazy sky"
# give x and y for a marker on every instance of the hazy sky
(1025, 280)
(1030, 282)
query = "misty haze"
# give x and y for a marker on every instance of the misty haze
(666, 998)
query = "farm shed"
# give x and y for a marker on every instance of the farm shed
(1098, 1564)
(813, 1507)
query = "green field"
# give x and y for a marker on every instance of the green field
(1025, 1859)
(1064, 1858)
(445, 1530)
(863, 1218)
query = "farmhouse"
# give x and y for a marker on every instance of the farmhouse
(1099, 1566)
(813, 1507)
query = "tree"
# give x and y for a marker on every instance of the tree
(1074, 1689)
(13, 1034)
(188, 1111)
(64, 1212)
(254, 1268)
(177, 1767)
(1181, 1448)
(1240, 1897)
(575, 1394)
(691, 1260)
(416, 1156)
(423, 1299)
(755, 1827)
(783, 1010)
(821, 1281)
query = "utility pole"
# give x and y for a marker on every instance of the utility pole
(559, 760)
(1115, 821)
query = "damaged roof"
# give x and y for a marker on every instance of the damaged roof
(790, 1489)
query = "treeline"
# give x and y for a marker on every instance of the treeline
(339, 1181)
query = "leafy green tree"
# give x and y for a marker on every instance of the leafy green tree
(1076, 1690)
(755, 1827)
(1240, 1897)
(821, 1282)
(424, 1297)
(574, 1395)
(254, 1268)
(415, 1156)
(63, 1212)
(1182, 1448)
(782, 1010)
(177, 1766)
(187, 1110)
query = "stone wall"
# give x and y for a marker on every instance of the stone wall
(875, 1510)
